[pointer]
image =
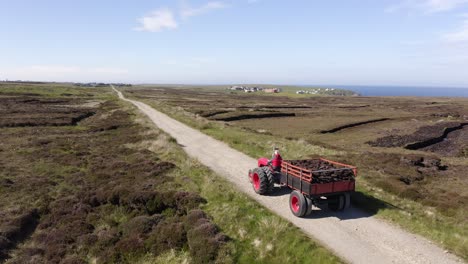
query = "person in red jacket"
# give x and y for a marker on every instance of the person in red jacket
(276, 160)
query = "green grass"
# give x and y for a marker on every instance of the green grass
(254, 231)
(55, 90)
(449, 232)
(54, 169)
(170, 257)
(253, 144)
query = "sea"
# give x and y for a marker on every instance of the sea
(405, 91)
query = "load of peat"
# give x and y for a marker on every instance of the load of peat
(323, 171)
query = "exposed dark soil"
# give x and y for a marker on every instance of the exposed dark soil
(433, 141)
(210, 114)
(446, 115)
(253, 116)
(422, 178)
(15, 230)
(427, 138)
(31, 112)
(353, 106)
(455, 144)
(324, 172)
(444, 189)
(85, 194)
(336, 129)
(423, 162)
(275, 107)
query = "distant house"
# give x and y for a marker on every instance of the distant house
(237, 88)
(271, 90)
(300, 92)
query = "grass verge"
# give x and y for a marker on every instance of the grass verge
(254, 231)
(113, 189)
(449, 232)
(54, 90)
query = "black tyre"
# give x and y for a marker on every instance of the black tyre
(336, 203)
(262, 182)
(297, 204)
(271, 179)
(347, 201)
(309, 206)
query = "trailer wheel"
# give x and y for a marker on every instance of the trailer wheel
(336, 203)
(297, 204)
(347, 201)
(261, 183)
(309, 206)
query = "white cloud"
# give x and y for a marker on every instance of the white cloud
(157, 21)
(433, 6)
(427, 6)
(187, 11)
(461, 35)
(166, 19)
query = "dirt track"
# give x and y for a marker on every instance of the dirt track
(353, 235)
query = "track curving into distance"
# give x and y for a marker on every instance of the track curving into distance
(353, 235)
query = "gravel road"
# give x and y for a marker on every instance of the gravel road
(353, 235)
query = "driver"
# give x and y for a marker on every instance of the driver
(276, 160)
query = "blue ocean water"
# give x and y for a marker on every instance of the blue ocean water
(405, 91)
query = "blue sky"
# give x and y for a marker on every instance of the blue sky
(400, 42)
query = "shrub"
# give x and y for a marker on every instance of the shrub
(134, 244)
(203, 237)
(140, 225)
(168, 234)
(187, 201)
(73, 260)
(203, 242)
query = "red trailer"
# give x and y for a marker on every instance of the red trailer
(314, 182)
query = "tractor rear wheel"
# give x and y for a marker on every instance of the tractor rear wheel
(298, 204)
(271, 179)
(262, 180)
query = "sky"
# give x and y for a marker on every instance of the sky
(352, 42)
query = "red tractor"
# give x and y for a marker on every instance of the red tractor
(314, 182)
